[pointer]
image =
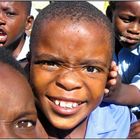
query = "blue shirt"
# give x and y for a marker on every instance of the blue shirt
(109, 121)
(128, 61)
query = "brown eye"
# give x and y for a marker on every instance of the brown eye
(25, 124)
(48, 65)
(10, 14)
(91, 69)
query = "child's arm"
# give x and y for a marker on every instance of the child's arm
(118, 92)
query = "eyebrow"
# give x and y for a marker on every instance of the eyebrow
(48, 56)
(127, 13)
(23, 114)
(94, 61)
(82, 62)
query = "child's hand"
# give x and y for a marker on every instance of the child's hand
(112, 79)
(135, 130)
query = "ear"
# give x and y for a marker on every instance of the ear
(29, 24)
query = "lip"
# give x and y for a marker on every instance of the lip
(65, 111)
(130, 40)
(3, 37)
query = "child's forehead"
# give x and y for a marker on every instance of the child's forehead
(73, 35)
(119, 4)
(66, 27)
(63, 29)
(67, 23)
(13, 5)
(8, 3)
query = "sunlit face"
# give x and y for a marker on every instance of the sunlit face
(69, 68)
(17, 110)
(126, 20)
(13, 22)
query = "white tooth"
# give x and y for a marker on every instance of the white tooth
(62, 104)
(69, 105)
(56, 102)
(74, 105)
(1, 37)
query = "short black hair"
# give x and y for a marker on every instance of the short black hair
(110, 8)
(7, 58)
(73, 10)
(112, 4)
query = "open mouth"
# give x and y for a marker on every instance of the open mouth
(65, 104)
(3, 37)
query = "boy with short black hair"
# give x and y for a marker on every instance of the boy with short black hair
(125, 19)
(71, 46)
(15, 20)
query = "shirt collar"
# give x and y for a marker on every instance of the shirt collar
(135, 51)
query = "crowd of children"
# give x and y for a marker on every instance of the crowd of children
(79, 91)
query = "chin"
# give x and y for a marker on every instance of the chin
(128, 45)
(64, 126)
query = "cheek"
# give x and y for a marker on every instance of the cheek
(98, 91)
(96, 88)
(119, 26)
(39, 79)
(16, 27)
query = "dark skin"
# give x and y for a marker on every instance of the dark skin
(14, 22)
(64, 75)
(18, 118)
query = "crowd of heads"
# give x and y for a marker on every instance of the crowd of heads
(71, 49)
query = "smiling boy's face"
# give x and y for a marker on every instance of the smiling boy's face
(126, 21)
(18, 113)
(69, 69)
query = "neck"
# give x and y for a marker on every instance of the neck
(17, 46)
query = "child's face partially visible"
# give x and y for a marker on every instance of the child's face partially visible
(126, 19)
(17, 109)
(69, 69)
(13, 22)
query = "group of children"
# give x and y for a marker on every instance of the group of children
(78, 92)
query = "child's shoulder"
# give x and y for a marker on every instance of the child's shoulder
(109, 120)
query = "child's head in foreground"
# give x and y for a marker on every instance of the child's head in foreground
(18, 115)
(15, 19)
(71, 51)
(125, 16)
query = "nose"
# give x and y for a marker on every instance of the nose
(6, 132)
(69, 81)
(134, 28)
(2, 19)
